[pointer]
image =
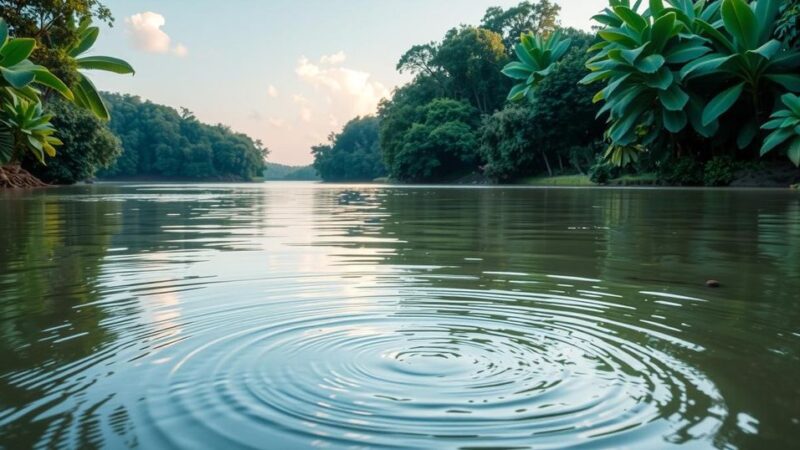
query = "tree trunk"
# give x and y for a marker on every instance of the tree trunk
(560, 162)
(15, 177)
(547, 164)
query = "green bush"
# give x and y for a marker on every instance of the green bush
(681, 172)
(88, 146)
(603, 171)
(720, 171)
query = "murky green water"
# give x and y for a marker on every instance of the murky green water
(296, 315)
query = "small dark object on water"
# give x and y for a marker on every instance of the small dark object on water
(713, 283)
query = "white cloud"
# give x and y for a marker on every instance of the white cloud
(272, 91)
(350, 89)
(147, 35)
(334, 59)
(305, 107)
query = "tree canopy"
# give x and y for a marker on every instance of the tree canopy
(160, 142)
(351, 155)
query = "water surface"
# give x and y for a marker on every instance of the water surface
(295, 315)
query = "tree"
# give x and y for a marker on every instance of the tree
(544, 134)
(160, 142)
(441, 146)
(88, 146)
(539, 18)
(51, 23)
(352, 155)
(472, 57)
(401, 112)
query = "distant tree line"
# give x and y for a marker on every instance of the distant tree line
(160, 142)
(282, 172)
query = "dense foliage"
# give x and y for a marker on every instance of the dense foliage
(538, 18)
(480, 130)
(62, 33)
(441, 143)
(700, 75)
(160, 142)
(51, 23)
(89, 146)
(351, 155)
(554, 131)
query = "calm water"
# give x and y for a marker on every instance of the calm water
(296, 315)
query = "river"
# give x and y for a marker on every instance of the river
(298, 315)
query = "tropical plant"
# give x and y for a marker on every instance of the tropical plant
(23, 124)
(785, 124)
(19, 74)
(748, 61)
(89, 145)
(30, 129)
(86, 94)
(639, 56)
(689, 63)
(537, 59)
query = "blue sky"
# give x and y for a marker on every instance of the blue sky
(288, 72)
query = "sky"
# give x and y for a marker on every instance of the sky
(287, 72)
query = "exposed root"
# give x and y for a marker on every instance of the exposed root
(15, 177)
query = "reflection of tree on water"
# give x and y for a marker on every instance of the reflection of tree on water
(50, 325)
(69, 318)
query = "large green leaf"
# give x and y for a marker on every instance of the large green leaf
(741, 22)
(747, 133)
(524, 56)
(661, 79)
(793, 152)
(517, 70)
(517, 92)
(16, 50)
(686, 52)
(631, 18)
(674, 98)
(720, 104)
(87, 40)
(87, 94)
(662, 30)
(106, 63)
(715, 35)
(650, 64)
(766, 12)
(704, 65)
(46, 78)
(775, 139)
(789, 81)
(674, 121)
(17, 78)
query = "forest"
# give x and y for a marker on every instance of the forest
(669, 92)
(690, 96)
(57, 128)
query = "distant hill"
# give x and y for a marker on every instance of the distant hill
(281, 172)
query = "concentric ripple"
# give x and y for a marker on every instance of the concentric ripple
(464, 368)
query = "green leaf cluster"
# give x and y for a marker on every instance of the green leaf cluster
(711, 67)
(24, 124)
(537, 59)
